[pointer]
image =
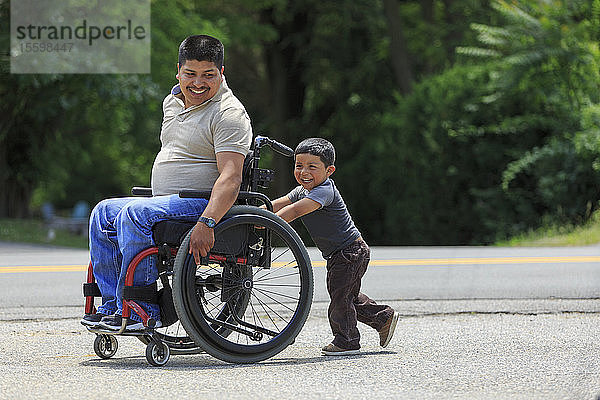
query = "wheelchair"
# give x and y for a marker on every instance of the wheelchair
(246, 301)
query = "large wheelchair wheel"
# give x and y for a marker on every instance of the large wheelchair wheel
(251, 299)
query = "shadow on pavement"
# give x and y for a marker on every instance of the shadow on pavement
(206, 362)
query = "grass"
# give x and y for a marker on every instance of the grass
(570, 235)
(35, 231)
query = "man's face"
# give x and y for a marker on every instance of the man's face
(310, 171)
(199, 81)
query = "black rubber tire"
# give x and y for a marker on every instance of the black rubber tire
(192, 314)
(157, 354)
(105, 346)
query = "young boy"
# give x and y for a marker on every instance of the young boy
(329, 223)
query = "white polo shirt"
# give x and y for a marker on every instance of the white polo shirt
(191, 137)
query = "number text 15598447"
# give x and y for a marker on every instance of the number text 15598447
(29, 47)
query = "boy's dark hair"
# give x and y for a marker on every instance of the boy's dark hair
(317, 147)
(201, 48)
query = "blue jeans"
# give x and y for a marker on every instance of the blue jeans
(122, 227)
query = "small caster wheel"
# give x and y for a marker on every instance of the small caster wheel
(105, 346)
(157, 354)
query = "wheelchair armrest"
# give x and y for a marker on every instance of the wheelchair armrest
(195, 194)
(141, 191)
(243, 195)
(256, 196)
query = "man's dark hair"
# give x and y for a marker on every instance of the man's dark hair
(201, 48)
(317, 147)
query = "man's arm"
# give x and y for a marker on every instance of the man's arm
(224, 194)
(297, 209)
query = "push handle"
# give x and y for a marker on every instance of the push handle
(280, 148)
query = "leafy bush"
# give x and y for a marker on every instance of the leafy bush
(486, 151)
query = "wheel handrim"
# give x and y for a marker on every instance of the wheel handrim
(274, 298)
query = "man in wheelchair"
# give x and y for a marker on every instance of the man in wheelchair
(205, 135)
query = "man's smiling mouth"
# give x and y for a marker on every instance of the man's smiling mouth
(198, 91)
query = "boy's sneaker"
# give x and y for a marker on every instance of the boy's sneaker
(332, 350)
(113, 323)
(92, 320)
(387, 331)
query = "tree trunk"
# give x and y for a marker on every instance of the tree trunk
(16, 168)
(16, 189)
(15, 194)
(453, 35)
(398, 51)
(286, 90)
(427, 10)
(3, 184)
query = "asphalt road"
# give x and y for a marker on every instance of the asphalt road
(475, 323)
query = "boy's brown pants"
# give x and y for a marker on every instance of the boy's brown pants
(345, 270)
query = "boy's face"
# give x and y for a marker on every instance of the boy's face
(199, 81)
(310, 171)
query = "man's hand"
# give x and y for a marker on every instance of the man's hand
(224, 193)
(201, 241)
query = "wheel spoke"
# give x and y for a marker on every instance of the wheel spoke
(262, 277)
(265, 291)
(276, 285)
(280, 255)
(272, 271)
(267, 313)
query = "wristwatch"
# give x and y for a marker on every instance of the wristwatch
(208, 221)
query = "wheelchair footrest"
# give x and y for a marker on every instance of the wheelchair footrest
(145, 332)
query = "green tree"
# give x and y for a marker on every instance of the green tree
(548, 53)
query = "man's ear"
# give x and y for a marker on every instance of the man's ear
(177, 74)
(330, 170)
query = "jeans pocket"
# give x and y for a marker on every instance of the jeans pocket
(350, 254)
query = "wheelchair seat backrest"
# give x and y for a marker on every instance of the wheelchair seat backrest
(247, 172)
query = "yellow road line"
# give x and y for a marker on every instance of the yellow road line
(489, 260)
(477, 261)
(42, 268)
(398, 262)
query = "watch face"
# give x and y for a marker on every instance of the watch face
(208, 222)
